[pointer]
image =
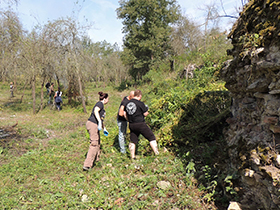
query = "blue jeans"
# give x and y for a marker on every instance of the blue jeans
(122, 133)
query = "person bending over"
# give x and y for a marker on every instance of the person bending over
(135, 113)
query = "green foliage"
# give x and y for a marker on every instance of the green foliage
(250, 40)
(229, 184)
(184, 114)
(51, 178)
(147, 31)
(174, 103)
(188, 116)
(125, 84)
(40, 133)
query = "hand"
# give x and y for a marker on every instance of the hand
(99, 127)
(106, 133)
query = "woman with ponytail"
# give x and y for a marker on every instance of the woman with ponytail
(94, 125)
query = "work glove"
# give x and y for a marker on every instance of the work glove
(99, 126)
(106, 133)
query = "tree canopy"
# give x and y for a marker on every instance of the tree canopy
(147, 30)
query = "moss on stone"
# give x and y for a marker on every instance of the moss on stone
(258, 17)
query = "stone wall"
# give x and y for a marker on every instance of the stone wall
(253, 79)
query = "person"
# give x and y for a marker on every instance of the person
(58, 99)
(135, 112)
(94, 125)
(51, 93)
(48, 87)
(12, 89)
(122, 123)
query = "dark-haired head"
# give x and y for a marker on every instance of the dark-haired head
(137, 93)
(102, 95)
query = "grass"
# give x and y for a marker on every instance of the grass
(41, 163)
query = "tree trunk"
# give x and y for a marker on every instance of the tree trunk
(172, 64)
(23, 91)
(42, 94)
(57, 80)
(69, 92)
(33, 94)
(80, 83)
(81, 93)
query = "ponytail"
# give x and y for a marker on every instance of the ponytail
(102, 95)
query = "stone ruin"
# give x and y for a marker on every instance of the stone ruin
(253, 79)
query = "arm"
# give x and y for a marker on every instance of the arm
(125, 115)
(96, 113)
(146, 108)
(55, 94)
(121, 111)
(146, 113)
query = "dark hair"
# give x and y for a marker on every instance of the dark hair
(102, 95)
(137, 93)
(58, 91)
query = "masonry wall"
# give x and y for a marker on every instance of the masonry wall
(253, 78)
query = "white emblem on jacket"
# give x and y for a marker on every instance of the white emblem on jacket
(131, 108)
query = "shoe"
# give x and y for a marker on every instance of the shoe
(133, 159)
(86, 168)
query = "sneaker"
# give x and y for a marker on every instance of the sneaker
(85, 168)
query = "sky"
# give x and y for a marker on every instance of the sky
(102, 13)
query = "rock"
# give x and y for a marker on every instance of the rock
(274, 92)
(84, 198)
(275, 128)
(234, 206)
(163, 185)
(272, 171)
(253, 80)
(249, 173)
(255, 158)
(260, 85)
(278, 159)
(270, 120)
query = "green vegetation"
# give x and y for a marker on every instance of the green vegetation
(147, 30)
(42, 150)
(41, 162)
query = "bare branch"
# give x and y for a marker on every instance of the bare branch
(228, 16)
(222, 5)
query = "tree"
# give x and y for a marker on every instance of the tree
(147, 29)
(10, 35)
(105, 58)
(186, 38)
(65, 36)
(32, 58)
(10, 2)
